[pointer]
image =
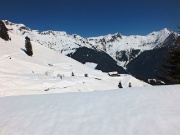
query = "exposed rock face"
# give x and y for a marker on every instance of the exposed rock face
(4, 31)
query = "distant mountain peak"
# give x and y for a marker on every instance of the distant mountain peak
(166, 31)
(161, 32)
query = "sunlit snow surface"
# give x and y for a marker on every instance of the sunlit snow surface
(130, 111)
(76, 105)
(41, 73)
(91, 65)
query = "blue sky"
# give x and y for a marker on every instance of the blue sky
(94, 17)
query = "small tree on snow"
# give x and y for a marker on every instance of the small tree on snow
(72, 74)
(129, 85)
(28, 46)
(120, 85)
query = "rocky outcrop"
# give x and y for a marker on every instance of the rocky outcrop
(4, 31)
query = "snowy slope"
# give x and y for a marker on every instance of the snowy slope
(136, 111)
(21, 74)
(59, 41)
(116, 45)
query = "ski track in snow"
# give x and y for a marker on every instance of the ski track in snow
(136, 111)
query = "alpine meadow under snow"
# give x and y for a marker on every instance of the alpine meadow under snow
(50, 93)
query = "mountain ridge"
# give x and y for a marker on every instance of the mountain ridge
(112, 44)
(122, 49)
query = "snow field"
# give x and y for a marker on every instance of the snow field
(135, 111)
(41, 73)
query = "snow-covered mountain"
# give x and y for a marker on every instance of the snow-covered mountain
(121, 48)
(48, 71)
(59, 41)
(110, 52)
(125, 48)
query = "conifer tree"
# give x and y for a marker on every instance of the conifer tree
(4, 31)
(171, 70)
(120, 85)
(28, 46)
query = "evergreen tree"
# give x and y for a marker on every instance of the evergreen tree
(4, 31)
(120, 85)
(171, 69)
(28, 46)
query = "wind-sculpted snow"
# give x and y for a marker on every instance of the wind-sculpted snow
(136, 111)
